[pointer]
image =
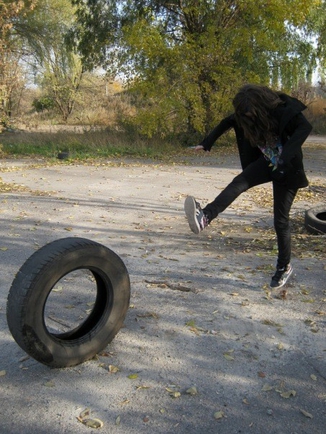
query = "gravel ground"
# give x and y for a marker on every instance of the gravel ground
(254, 359)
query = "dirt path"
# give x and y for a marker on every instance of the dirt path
(256, 357)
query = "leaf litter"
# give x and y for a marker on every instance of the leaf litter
(287, 394)
(280, 389)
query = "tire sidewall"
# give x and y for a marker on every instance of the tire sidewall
(48, 348)
(312, 222)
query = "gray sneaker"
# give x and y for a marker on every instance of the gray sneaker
(281, 276)
(196, 218)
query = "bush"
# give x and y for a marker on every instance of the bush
(43, 103)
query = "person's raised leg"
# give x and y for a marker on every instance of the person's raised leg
(255, 174)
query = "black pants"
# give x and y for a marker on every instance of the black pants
(258, 173)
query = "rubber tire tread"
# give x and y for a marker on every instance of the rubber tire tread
(34, 282)
(314, 224)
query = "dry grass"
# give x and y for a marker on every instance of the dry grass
(82, 142)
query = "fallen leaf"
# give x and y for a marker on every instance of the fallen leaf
(84, 413)
(175, 394)
(148, 315)
(267, 388)
(305, 413)
(194, 330)
(133, 376)
(57, 288)
(2, 373)
(118, 420)
(309, 322)
(261, 374)
(169, 389)
(288, 394)
(313, 377)
(113, 369)
(271, 323)
(125, 401)
(268, 294)
(320, 312)
(191, 323)
(228, 357)
(93, 423)
(49, 384)
(219, 414)
(192, 390)
(283, 294)
(105, 354)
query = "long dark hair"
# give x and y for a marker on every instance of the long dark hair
(253, 105)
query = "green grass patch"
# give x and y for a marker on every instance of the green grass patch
(97, 144)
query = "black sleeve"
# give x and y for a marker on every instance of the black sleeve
(220, 129)
(297, 130)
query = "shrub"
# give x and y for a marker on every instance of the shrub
(43, 103)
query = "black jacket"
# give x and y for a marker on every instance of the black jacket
(293, 131)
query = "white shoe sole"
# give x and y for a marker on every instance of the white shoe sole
(190, 210)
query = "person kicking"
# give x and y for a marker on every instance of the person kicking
(270, 130)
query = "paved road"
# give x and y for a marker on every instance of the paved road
(257, 361)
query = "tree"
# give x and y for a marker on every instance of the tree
(58, 70)
(11, 52)
(34, 32)
(182, 60)
(95, 31)
(316, 29)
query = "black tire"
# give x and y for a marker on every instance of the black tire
(35, 281)
(315, 220)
